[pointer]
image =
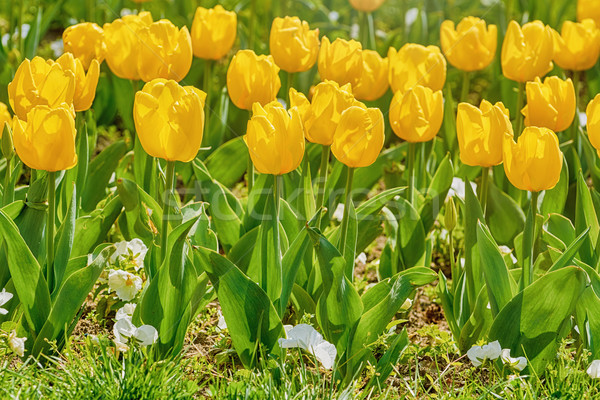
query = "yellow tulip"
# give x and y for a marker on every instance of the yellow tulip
(414, 65)
(578, 46)
(123, 44)
(37, 82)
(46, 141)
(588, 9)
(480, 133)
(366, 5)
(213, 32)
(359, 136)
(252, 79)
(322, 116)
(169, 119)
(373, 82)
(275, 138)
(550, 104)
(593, 122)
(471, 46)
(534, 162)
(86, 42)
(340, 61)
(4, 117)
(416, 116)
(527, 52)
(85, 84)
(293, 45)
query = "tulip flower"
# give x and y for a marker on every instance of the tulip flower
(275, 138)
(577, 48)
(85, 84)
(527, 52)
(213, 32)
(5, 117)
(416, 116)
(373, 82)
(588, 9)
(366, 5)
(293, 45)
(480, 133)
(550, 104)
(593, 122)
(252, 79)
(123, 44)
(37, 82)
(471, 46)
(169, 119)
(86, 42)
(414, 65)
(340, 61)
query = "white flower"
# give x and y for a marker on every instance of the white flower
(16, 344)
(221, 324)
(362, 258)
(490, 351)
(307, 338)
(518, 363)
(124, 330)
(4, 298)
(594, 369)
(124, 283)
(406, 305)
(129, 253)
(126, 311)
(57, 47)
(338, 214)
(506, 250)
(458, 188)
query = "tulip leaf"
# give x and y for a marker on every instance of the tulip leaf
(585, 216)
(123, 97)
(473, 213)
(386, 363)
(505, 217)
(436, 193)
(257, 199)
(478, 324)
(567, 257)
(447, 304)
(588, 321)
(561, 228)
(91, 230)
(410, 245)
(555, 199)
(228, 163)
(64, 242)
(32, 219)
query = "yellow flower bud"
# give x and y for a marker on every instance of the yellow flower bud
(85, 84)
(593, 122)
(480, 133)
(414, 65)
(534, 162)
(450, 215)
(471, 46)
(123, 44)
(578, 46)
(550, 104)
(5, 117)
(252, 79)
(359, 137)
(373, 82)
(588, 9)
(37, 82)
(322, 116)
(169, 119)
(47, 140)
(86, 42)
(275, 138)
(213, 32)
(416, 116)
(527, 52)
(340, 61)
(366, 5)
(293, 45)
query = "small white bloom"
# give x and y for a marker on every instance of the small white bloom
(4, 298)
(518, 363)
(307, 338)
(338, 214)
(582, 119)
(333, 16)
(125, 12)
(130, 253)
(362, 258)
(406, 305)
(490, 351)
(124, 330)
(458, 188)
(505, 250)
(594, 369)
(221, 324)
(354, 29)
(126, 311)
(16, 344)
(125, 284)
(122, 347)
(57, 47)
(411, 16)
(444, 234)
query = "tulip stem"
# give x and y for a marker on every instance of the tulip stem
(169, 185)
(344, 227)
(252, 24)
(277, 184)
(518, 114)
(466, 85)
(207, 87)
(50, 227)
(250, 168)
(410, 170)
(529, 242)
(453, 267)
(7, 195)
(20, 27)
(323, 170)
(575, 124)
(483, 193)
(289, 84)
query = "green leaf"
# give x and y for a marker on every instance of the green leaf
(228, 163)
(91, 230)
(478, 324)
(436, 193)
(473, 214)
(585, 216)
(64, 242)
(588, 321)
(99, 172)
(386, 363)
(411, 243)
(567, 257)
(505, 217)
(555, 199)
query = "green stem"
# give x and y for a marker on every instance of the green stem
(518, 114)
(466, 85)
(509, 10)
(8, 195)
(453, 266)
(322, 180)
(250, 168)
(363, 33)
(371, 32)
(347, 203)
(277, 184)
(289, 85)
(530, 257)
(168, 196)
(50, 227)
(483, 190)
(575, 125)
(207, 87)
(410, 170)
(252, 24)
(20, 27)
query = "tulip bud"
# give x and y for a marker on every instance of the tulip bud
(577, 48)
(416, 116)
(480, 133)
(471, 46)
(450, 216)
(169, 119)
(588, 9)
(534, 162)
(550, 104)
(37, 82)
(593, 122)
(323, 115)
(340, 61)
(275, 139)
(8, 150)
(414, 65)
(251, 79)
(527, 52)
(366, 5)
(373, 82)
(293, 45)
(85, 84)
(123, 44)
(86, 42)
(213, 32)
(46, 141)
(359, 137)
(5, 116)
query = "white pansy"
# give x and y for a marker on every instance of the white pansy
(124, 283)
(362, 258)
(129, 254)
(126, 311)
(490, 351)
(411, 16)
(4, 298)
(518, 363)
(458, 188)
(594, 369)
(221, 324)
(306, 337)
(338, 214)
(125, 330)
(505, 250)
(16, 344)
